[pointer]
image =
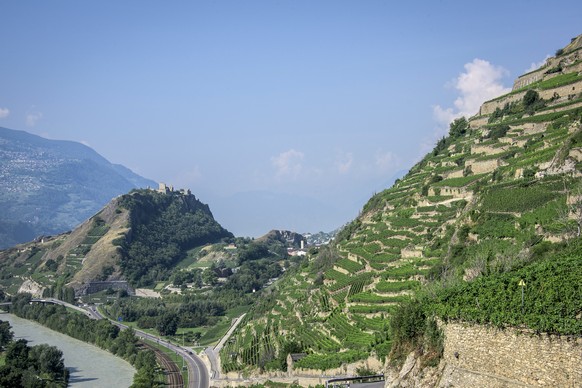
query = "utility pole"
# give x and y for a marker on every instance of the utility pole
(183, 349)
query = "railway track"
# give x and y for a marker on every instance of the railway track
(173, 373)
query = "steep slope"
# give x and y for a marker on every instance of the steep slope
(138, 237)
(503, 190)
(52, 186)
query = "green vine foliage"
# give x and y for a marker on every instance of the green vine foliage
(552, 297)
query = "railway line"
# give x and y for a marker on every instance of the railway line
(197, 371)
(174, 376)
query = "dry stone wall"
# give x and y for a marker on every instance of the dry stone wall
(564, 92)
(453, 174)
(487, 149)
(483, 166)
(501, 358)
(489, 107)
(529, 78)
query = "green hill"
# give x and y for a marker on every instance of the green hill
(496, 202)
(139, 237)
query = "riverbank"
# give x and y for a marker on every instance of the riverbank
(88, 365)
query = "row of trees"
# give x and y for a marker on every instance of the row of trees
(166, 317)
(102, 333)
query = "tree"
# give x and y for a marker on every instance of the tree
(440, 145)
(209, 276)
(530, 98)
(10, 376)
(69, 295)
(458, 127)
(144, 378)
(51, 265)
(6, 335)
(167, 324)
(30, 379)
(146, 359)
(17, 354)
(48, 360)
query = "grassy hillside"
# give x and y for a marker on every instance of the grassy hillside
(496, 202)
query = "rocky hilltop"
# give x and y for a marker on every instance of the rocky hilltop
(136, 239)
(482, 235)
(50, 186)
(286, 237)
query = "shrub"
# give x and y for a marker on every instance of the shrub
(365, 371)
(407, 323)
(498, 132)
(458, 127)
(530, 97)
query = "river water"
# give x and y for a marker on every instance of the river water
(89, 365)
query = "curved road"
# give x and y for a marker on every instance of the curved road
(197, 372)
(213, 353)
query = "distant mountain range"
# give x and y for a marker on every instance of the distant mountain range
(50, 186)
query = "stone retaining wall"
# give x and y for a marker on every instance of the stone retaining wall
(497, 358)
(483, 166)
(94, 287)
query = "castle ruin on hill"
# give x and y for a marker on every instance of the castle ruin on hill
(165, 189)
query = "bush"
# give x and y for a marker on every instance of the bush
(364, 371)
(458, 127)
(498, 132)
(407, 323)
(530, 97)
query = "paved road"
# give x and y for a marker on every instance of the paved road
(225, 338)
(213, 353)
(197, 372)
(62, 303)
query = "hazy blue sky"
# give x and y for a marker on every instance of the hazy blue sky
(308, 107)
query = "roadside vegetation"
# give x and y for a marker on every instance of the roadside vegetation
(122, 343)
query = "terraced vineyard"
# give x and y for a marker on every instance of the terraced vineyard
(74, 260)
(495, 193)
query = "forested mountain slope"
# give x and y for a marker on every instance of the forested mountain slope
(497, 201)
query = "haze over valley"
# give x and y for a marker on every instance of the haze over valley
(314, 105)
(294, 193)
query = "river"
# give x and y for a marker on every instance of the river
(89, 365)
